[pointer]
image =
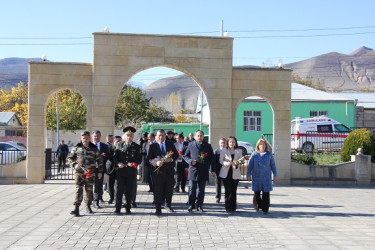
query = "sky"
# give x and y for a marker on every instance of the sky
(264, 32)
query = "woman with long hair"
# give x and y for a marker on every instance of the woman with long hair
(260, 169)
(230, 172)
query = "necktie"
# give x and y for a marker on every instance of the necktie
(162, 148)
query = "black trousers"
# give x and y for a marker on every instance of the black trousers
(149, 176)
(181, 178)
(62, 162)
(230, 186)
(218, 187)
(163, 189)
(264, 201)
(111, 185)
(98, 188)
(125, 185)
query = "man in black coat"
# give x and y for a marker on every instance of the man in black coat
(181, 147)
(200, 156)
(127, 157)
(104, 153)
(61, 153)
(162, 156)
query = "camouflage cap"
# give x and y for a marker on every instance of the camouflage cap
(85, 133)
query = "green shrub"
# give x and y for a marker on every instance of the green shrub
(359, 138)
(304, 159)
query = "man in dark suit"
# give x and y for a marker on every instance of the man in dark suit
(104, 153)
(162, 156)
(200, 156)
(181, 147)
(127, 157)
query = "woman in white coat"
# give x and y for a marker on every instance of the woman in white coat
(230, 172)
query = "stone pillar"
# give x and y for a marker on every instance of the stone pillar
(362, 168)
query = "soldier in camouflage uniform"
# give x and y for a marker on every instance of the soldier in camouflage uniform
(127, 157)
(83, 158)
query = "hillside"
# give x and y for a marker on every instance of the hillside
(14, 70)
(340, 72)
(186, 89)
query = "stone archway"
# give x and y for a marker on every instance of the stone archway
(117, 57)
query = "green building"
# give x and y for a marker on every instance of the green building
(254, 115)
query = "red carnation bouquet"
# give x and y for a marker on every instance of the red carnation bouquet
(201, 157)
(167, 156)
(243, 159)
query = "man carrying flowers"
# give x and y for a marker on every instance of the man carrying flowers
(83, 158)
(162, 155)
(127, 157)
(200, 156)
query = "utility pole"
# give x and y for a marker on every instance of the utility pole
(221, 28)
(57, 118)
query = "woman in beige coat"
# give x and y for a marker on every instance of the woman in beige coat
(230, 172)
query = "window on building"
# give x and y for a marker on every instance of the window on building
(252, 121)
(318, 113)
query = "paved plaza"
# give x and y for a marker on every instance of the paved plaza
(301, 217)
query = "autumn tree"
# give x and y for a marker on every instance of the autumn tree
(72, 111)
(133, 108)
(15, 100)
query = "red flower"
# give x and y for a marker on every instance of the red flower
(247, 157)
(104, 154)
(180, 152)
(87, 174)
(205, 154)
(171, 152)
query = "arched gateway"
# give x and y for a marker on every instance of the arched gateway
(117, 57)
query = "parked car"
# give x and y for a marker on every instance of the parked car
(246, 147)
(11, 152)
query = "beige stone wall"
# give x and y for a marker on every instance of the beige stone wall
(117, 57)
(45, 78)
(274, 86)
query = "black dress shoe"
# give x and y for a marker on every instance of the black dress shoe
(217, 200)
(134, 204)
(191, 207)
(200, 209)
(128, 211)
(96, 205)
(177, 190)
(117, 211)
(110, 201)
(169, 209)
(101, 199)
(158, 212)
(89, 210)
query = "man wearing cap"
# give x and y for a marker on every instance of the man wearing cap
(127, 157)
(104, 153)
(170, 137)
(83, 158)
(162, 156)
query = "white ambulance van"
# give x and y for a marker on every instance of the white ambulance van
(317, 133)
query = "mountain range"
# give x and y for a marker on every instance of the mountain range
(333, 71)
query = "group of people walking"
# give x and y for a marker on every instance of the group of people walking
(165, 159)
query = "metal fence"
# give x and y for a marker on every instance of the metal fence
(12, 156)
(313, 142)
(53, 171)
